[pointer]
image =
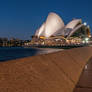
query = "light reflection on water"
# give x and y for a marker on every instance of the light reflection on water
(9, 53)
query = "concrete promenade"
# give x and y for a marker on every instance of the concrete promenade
(53, 72)
(85, 82)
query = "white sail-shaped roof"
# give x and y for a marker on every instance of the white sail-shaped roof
(75, 29)
(73, 23)
(52, 25)
(41, 30)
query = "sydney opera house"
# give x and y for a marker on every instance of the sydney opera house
(54, 32)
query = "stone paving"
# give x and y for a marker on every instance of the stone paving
(85, 81)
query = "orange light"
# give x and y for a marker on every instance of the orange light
(42, 37)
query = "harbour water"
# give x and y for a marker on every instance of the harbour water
(10, 53)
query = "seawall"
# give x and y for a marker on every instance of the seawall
(54, 72)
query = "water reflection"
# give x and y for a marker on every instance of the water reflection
(7, 53)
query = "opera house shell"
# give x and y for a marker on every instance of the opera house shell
(54, 26)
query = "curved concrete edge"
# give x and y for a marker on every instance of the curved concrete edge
(54, 72)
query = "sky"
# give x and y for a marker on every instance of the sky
(21, 18)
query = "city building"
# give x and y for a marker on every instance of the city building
(54, 32)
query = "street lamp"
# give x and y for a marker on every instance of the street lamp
(85, 23)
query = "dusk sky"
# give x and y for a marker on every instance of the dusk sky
(20, 18)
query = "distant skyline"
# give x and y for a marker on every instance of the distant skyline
(21, 18)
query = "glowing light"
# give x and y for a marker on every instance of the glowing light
(83, 41)
(86, 39)
(85, 23)
(86, 67)
(42, 37)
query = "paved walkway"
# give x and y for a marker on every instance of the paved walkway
(85, 81)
